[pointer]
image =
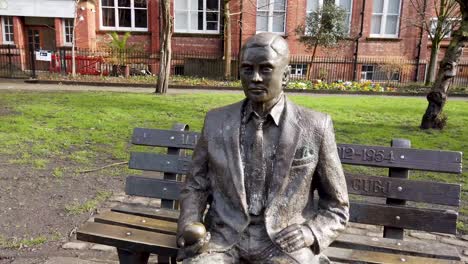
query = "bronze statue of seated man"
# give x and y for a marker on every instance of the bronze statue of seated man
(256, 166)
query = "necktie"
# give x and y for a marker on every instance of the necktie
(256, 195)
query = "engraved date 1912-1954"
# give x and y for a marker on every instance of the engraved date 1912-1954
(365, 154)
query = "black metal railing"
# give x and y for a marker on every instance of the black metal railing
(396, 71)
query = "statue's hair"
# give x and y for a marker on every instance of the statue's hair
(271, 40)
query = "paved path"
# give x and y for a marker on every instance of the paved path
(20, 85)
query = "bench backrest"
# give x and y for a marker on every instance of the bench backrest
(396, 189)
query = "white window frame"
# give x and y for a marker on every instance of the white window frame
(64, 28)
(116, 17)
(320, 4)
(298, 69)
(433, 23)
(189, 12)
(271, 11)
(383, 22)
(6, 19)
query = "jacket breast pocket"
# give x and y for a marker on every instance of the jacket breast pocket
(302, 161)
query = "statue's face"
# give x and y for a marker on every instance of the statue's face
(262, 73)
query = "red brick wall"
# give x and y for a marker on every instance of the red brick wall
(59, 32)
(403, 46)
(86, 29)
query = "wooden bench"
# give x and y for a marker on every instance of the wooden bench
(138, 231)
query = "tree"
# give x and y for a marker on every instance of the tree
(437, 97)
(446, 18)
(227, 41)
(323, 27)
(118, 57)
(165, 50)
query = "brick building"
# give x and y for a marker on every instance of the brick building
(383, 25)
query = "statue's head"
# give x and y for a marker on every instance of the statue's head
(264, 68)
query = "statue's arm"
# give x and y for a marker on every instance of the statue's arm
(194, 194)
(333, 205)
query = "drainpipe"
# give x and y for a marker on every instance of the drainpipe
(418, 57)
(356, 49)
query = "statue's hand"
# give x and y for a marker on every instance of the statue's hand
(294, 237)
(190, 250)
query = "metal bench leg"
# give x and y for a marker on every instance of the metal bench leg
(128, 257)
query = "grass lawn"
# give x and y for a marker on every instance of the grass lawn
(81, 127)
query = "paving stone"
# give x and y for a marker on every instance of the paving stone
(464, 237)
(455, 242)
(421, 235)
(105, 248)
(75, 245)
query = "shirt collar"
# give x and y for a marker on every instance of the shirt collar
(275, 112)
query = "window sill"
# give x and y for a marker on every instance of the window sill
(133, 32)
(197, 35)
(7, 44)
(396, 39)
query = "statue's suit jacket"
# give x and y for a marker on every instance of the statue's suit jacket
(306, 160)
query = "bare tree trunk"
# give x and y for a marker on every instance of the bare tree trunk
(309, 72)
(73, 55)
(448, 68)
(165, 47)
(227, 41)
(431, 72)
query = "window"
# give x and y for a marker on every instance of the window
(271, 16)
(124, 15)
(313, 5)
(8, 35)
(196, 16)
(385, 18)
(373, 73)
(447, 28)
(68, 30)
(298, 70)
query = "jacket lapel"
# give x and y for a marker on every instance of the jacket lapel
(231, 133)
(289, 137)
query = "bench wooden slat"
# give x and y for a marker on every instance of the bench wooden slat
(159, 162)
(165, 138)
(154, 188)
(148, 211)
(359, 256)
(417, 191)
(442, 221)
(397, 246)
(411, 190)
(138, 222)
(376, 156)
(407, 158)
(128, 238)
